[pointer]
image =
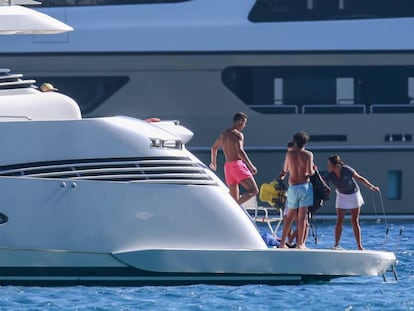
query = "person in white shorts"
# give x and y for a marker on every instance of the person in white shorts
(348, 196)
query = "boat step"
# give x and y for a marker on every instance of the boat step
(393, 270)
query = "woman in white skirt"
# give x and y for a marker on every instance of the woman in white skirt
(348, 196)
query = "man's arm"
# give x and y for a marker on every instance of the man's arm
(311, 164)
(214, 148)
(285, 169)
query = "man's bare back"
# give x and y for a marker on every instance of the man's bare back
(232, 143)
(299, 164)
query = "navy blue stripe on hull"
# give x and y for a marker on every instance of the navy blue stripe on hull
(43, 276)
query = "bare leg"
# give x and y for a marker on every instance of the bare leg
(355, 226)
(306, 229)
(287, 223)
(251, 190)
(293, 234)
(289, 236)
(234, 191)
(301, 222)
(340, 213)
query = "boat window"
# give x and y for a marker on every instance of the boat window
(323, 89)
(3, 219)
(328, 138)
(345, 91)
(53, 3)
(278, 91)
(394, 190)
(411, 89)
(310, 10)
(398, 138)
(88, 92)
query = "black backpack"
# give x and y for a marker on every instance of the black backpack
(321, 191)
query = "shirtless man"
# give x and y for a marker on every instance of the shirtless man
(299, 165)
(238, 168)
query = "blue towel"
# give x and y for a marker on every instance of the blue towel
(269, 239)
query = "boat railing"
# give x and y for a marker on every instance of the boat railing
(16, 117)
(276, 108)
(342, 108)
(399, 108)
(345, 101)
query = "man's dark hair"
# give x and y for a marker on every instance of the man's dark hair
(290, 144)
(239, 116)
(300, 139)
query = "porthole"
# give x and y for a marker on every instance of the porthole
(3, 219)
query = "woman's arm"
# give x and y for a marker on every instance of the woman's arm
(365, 181)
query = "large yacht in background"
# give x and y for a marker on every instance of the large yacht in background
(342, 70)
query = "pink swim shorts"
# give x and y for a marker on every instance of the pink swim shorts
(236, 171)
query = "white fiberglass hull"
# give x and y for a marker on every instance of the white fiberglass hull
(185, 266)
(115, 233)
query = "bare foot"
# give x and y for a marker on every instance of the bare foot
(360, 248)
(301, 246)
(282, 246)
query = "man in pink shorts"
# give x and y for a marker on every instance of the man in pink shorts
(238, 168)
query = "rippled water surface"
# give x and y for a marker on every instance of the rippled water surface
(356, 293)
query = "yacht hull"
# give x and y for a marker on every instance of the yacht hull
(137, 234)
(187, 266)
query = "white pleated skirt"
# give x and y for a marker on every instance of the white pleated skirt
(349, 201)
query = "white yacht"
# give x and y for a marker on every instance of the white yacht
(342, 70)
(121, 201)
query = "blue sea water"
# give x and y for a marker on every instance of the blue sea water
(353, 293)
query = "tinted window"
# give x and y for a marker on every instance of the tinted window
(330, 138)
(307, 10)
(335, 89)
(88, 92)
(50, 3)
(394, 189)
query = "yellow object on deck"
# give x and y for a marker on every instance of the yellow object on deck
(273, 193)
